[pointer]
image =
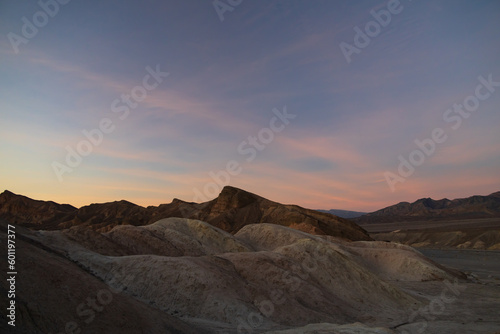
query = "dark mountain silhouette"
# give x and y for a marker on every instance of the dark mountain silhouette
(23, 210)
(443, 209)
(231, 210)
(235, 208)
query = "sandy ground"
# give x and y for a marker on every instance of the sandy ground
(478, 234)
(472, 308)
(485, 223)
(476, 308)
(484, 264)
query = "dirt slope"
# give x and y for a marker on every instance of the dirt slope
(187, 274)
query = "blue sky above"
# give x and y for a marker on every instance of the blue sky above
(352, 120)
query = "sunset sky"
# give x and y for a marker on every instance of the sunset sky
(348, 121)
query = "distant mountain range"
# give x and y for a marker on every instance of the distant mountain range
(230, 211)
(444, 209)
(344, 213)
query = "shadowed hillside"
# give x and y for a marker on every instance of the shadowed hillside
(444, 209)
(231, 210)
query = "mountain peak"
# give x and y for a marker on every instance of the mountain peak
(233, 209)
(230, 191)
(7, 194)
(232, 198)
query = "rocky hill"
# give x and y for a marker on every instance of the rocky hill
(231, 210)
(22, 210)
(186, 276)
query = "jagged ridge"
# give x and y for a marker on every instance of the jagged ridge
(231, 210)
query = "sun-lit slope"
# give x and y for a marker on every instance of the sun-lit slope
(320, 284)
(167, 237)
(191, 268)
(389, 260)
(398, 262)
(175, 237)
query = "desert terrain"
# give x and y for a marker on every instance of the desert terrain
(273, 269)
(250, 167)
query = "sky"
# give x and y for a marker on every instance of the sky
(353, 105)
